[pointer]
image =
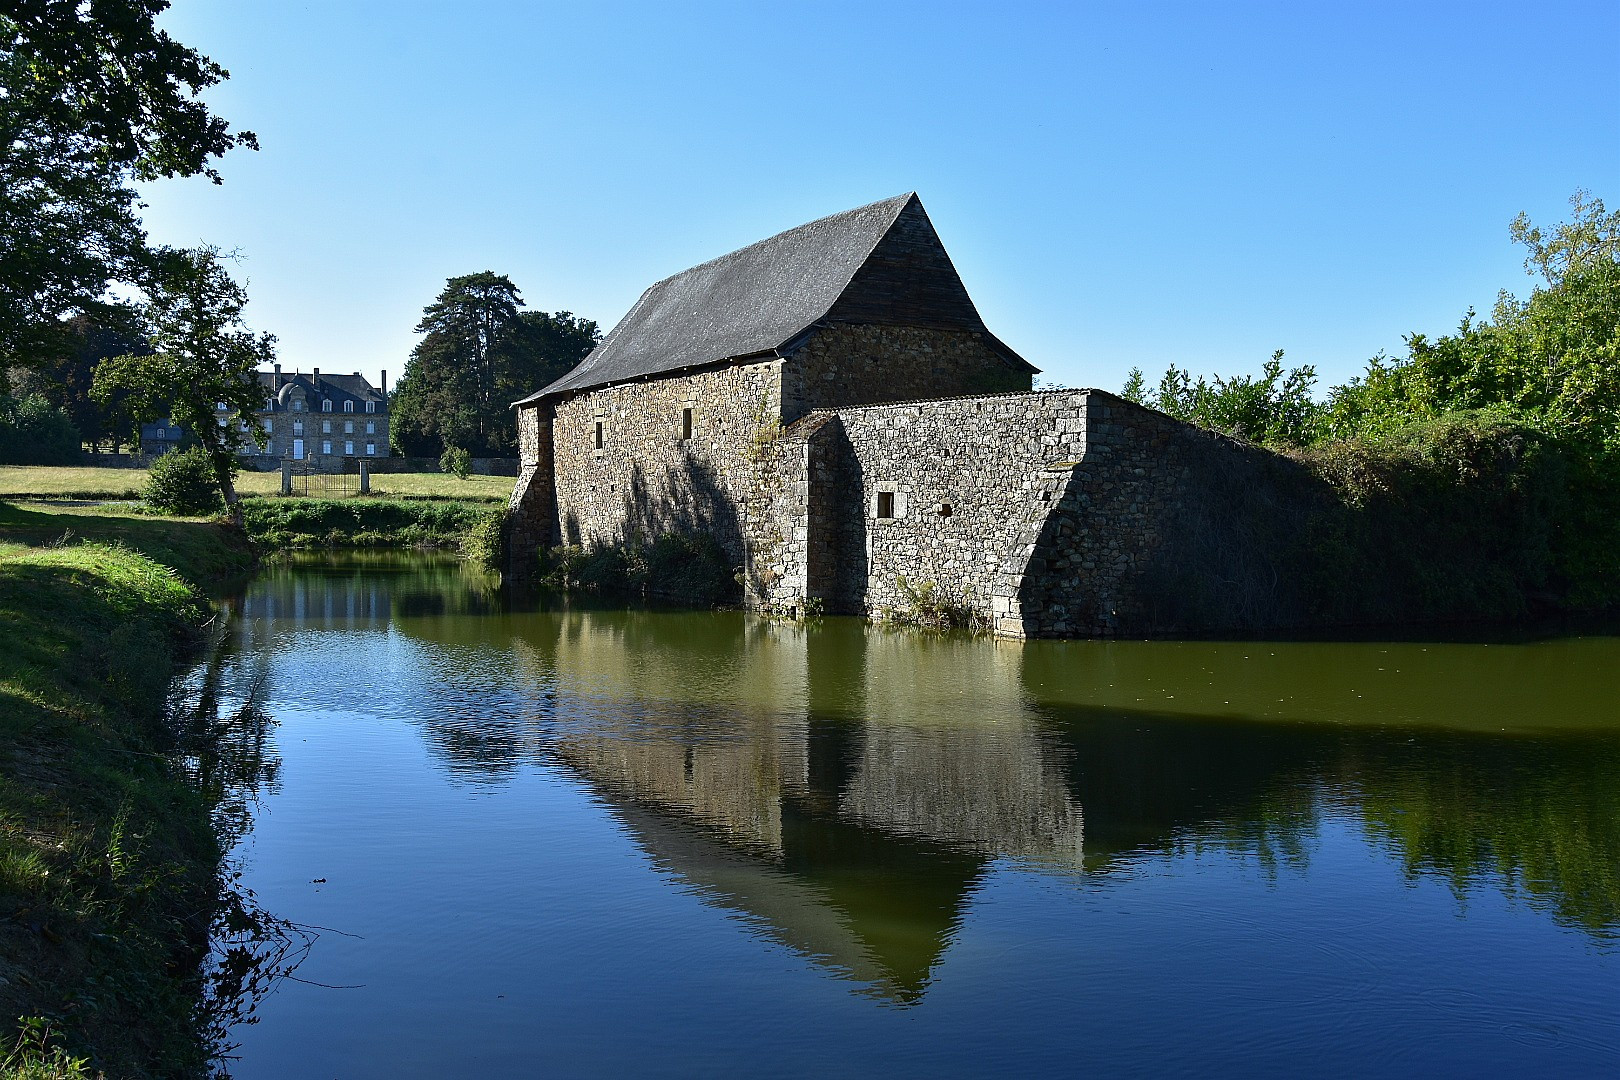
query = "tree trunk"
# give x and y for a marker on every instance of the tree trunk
(222, 472)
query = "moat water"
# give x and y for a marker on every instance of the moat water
(563, 841)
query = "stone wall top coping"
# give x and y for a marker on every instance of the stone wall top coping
(910, 402)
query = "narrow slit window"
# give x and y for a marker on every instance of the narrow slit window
(599, 434)
(686, 425)
(885, 504)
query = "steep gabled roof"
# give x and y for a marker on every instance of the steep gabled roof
(881, 263)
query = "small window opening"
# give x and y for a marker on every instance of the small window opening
(599, 434)
(686, 425)
(944, 510)
(885, 504)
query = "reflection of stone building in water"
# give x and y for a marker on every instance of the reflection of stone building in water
(826, 809)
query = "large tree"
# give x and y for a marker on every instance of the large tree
(201, 370)
(64, 378)
(477, 355)
(93, 96)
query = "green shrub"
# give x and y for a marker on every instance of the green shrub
(183, 482)
(693, 569)
(485, 540)
(1465, 516)
(456, 460)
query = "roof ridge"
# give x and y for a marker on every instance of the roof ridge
(804, 228)
(751, 301)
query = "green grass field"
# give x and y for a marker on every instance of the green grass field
(83, 482)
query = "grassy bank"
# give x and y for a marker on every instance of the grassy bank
(86, 482)
(108, 858)
(304, 523)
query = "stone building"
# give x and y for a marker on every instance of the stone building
(829, 406)
(323, 419)
(320, 420)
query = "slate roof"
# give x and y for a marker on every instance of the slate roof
(337, 387)
(753, 302)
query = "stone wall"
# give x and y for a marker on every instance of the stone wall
(968, 481)
(1163, 527)
(532, 523)
(645, 479)
(848, 365)
(1058, 513)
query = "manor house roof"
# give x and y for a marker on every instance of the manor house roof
(879, 264)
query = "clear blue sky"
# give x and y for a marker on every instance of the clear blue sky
(1119, 184)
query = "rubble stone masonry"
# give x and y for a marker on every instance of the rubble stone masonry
(1054, 513)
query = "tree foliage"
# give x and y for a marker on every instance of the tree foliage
(92, 97)
(1535, 388)
(479, 352)
(35, 432)
(203, 357)
(1275, 408)
(65, 378)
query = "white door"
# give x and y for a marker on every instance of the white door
(298, 449)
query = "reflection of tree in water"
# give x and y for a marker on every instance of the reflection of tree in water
(1535, 817)
(222, 732)
(1538, 817)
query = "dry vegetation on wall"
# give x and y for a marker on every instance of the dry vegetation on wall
(1463, 517)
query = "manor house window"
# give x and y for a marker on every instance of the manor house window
(371, 406)
(326, 446)
(298, 404)
(371, 427)
(326, 427)
(326, 406)
(268, 423)
(371, 449)
(348, 406)
(348, 427)
(348, 448)
(298, 427)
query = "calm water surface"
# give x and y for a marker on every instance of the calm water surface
(576, 842)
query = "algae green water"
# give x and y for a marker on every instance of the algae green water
(546, 839)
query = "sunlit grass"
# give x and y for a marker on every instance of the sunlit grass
(84, 482)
